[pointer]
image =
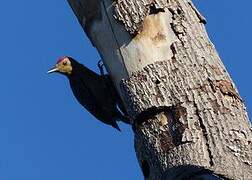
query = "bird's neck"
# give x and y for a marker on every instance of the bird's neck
(79, 70)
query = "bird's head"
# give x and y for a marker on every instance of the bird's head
(63, 66)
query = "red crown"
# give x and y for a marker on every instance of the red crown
(61, 59)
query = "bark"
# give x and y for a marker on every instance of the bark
(188, 118)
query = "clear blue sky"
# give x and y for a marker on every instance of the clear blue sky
(44, 133)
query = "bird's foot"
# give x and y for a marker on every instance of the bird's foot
(101, 67)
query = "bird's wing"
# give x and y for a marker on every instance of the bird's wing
(100, 87)
(83, 94)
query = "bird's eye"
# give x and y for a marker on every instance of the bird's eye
(64, 63)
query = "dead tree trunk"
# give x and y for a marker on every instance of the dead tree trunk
(187, 115)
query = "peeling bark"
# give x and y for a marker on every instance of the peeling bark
(187, 115)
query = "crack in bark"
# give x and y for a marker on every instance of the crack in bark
(211, 85)
(177, 26)
(204, 131)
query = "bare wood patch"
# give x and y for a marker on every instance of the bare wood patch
(204, 130)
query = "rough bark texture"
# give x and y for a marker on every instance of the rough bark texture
(186, 111)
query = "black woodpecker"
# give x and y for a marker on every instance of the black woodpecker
(94, 92)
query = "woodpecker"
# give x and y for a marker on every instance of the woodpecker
(94, 92)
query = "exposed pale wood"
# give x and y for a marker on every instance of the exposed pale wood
(184, 106)
(121, 54)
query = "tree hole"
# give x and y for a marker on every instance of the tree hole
(179, 11)
(157, 82)
(154, 10)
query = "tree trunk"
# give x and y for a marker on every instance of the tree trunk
(188, 118)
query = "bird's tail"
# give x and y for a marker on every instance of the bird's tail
(115, 125)
(121, 114)
(124, 118)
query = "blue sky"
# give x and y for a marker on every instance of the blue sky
(44, 133)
